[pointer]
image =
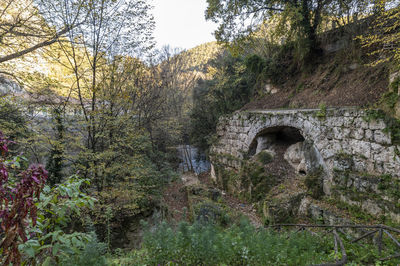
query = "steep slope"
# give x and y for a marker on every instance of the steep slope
(334, 82)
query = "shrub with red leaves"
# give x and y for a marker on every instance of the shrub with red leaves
(17, 205)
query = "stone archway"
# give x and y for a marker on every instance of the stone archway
(289, 144)
(344, 143)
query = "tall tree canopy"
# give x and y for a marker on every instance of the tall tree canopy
(302, 18)
(238, 18)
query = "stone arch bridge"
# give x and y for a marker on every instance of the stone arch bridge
(337, 139)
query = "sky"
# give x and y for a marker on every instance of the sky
(181, 23)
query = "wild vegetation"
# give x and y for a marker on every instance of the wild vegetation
(243, 244)
(91, 114)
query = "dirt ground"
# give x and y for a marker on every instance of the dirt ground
(331, 83)
(175, 198)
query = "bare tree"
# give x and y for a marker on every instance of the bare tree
(23, 29)
(97, 54)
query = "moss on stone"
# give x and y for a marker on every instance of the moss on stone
(390, 186)
(314, 183)
(392, 124)
(263, 187)
(321, 113)
(283, 209)
(358, 215)
(256, 181)
(264, 119)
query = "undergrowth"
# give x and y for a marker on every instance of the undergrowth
(209, 244)
(199, 244)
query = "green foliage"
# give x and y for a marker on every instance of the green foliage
(255, 178)
(51, 240)
(297, 22)
(321, 113)
(127, 155)
(211, 212)
(12, 121)
(125, 200)
(55, 162)
(264, 157)
(281, 61)
(130, 176)
(227, 176)
(253, 172)
(200, 244)
(389, 99)
(229, 89)
(255, 63)
(282, 209)
(357, 214)
(275, 63)
(91, 253)
(242, 244)
(390, 186)
(314, 183)
(395, 85)
(63, 202)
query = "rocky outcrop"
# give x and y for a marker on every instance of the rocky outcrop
(295, 156)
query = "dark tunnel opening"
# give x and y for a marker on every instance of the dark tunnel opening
(289, 135)
(282, 136)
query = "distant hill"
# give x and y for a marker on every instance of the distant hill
(197, 58)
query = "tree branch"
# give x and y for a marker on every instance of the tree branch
(35, 47)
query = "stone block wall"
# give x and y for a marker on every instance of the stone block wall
(335, 134)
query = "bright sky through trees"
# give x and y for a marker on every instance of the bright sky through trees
(181, 23)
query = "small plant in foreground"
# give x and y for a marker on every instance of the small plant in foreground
(35, 219)
(17, 204)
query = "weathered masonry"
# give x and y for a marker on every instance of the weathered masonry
(356, 153)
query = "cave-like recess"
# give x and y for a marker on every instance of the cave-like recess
(281, 135)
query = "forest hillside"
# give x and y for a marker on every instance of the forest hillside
(108, 145)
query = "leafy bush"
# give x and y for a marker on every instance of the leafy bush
(255, 63)
(264, 157)
(208, 244)
(90, 254)
(255, 177)
(211, 212)
(17, 203)
(200, 244)
(36, 219)
(54, 239)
